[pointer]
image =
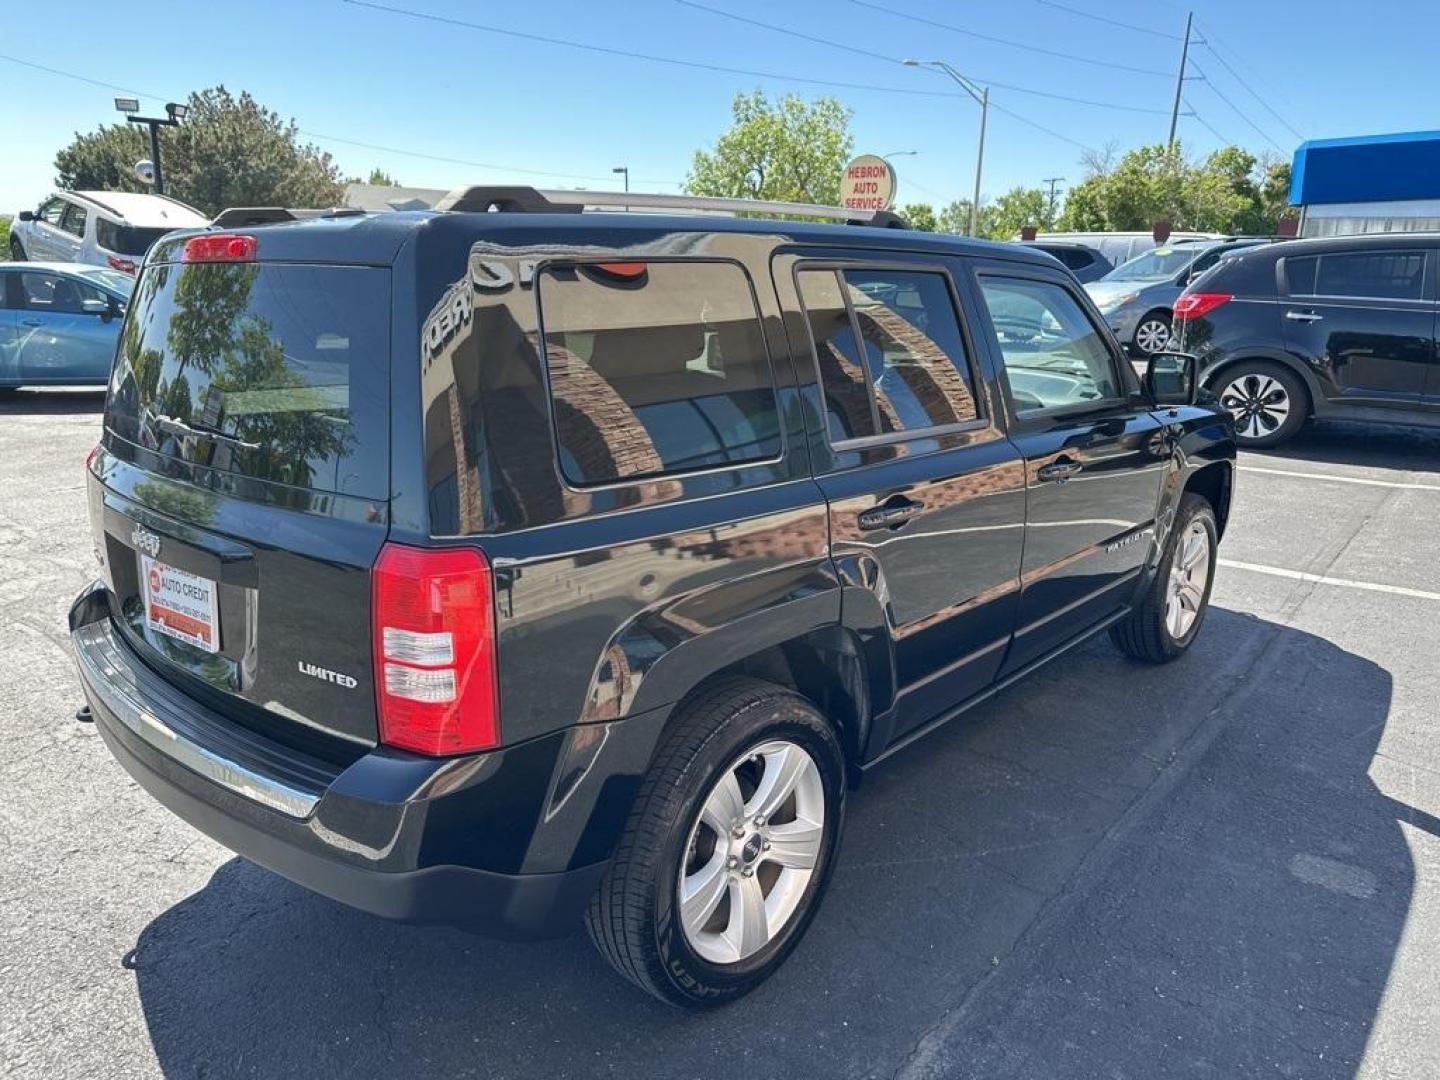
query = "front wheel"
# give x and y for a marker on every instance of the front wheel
(1153, 333)
(728, 848)
(1169, 618)
(17, 250)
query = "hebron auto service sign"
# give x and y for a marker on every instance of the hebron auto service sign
(868, 183)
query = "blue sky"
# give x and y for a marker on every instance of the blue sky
(346, 72)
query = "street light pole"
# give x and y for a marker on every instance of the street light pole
(626, 170)
(174, 113)
(982, 98)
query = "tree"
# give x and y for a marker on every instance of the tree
(789, 150)
(378, 178)
(1230, 191)
(954, 217)
(920, 217)
(229, 151)
(1020, 206)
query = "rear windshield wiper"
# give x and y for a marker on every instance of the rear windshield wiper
(179, 427)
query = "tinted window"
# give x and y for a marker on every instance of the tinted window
(656, 368)
(1054, 357)
(291, 363)
(74, 220)
(125, 239)
(1075, 258)
(849, 411)
(914, 353)
(1300, 276)
(1390, 275)
(57, 295)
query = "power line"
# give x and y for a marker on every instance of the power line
(1206, 125)
(1007, 41)
(1041, 127)
(1235, 108)
(1108, 22)
(883, 57)
(1248, 88)
(329, 138)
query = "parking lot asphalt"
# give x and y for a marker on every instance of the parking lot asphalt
(1229, 866)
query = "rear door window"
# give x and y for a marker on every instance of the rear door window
(287, 364)
(74, 220)
(910, 372)
(1379, 275)
(656, 368)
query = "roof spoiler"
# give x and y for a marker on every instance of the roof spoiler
(510, 199)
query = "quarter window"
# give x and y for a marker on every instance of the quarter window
(1054, 357)
(656, 368)
(891, 355)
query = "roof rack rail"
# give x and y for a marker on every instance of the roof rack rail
(535, 201)
(243, 216)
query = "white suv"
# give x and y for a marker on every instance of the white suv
(107, 228)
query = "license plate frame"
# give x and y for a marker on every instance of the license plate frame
(180, 605)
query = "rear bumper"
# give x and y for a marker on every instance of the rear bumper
(398, 835)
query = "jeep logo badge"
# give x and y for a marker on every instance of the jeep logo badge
(145, 540)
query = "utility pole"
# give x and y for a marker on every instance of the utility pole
(1050, 200)
(1180, 81)
(981, 94)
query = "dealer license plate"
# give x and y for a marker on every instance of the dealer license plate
(180, 604)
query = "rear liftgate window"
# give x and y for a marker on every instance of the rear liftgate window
(656, 368)
(271, 371)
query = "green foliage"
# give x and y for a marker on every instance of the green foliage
(788, 150)
(378, 177)
(920, 217)
(1020, 206)
(1231, 191)
(4, 238)
(229, 151)
(955, 218)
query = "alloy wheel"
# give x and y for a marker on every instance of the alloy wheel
(1189, 574)
(1152, 336)
(752, 852)
(1259, 403)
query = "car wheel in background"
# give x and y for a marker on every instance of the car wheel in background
(1153, 333)
(1268, 402)
(17, 251)
(728, 847)
(1169, 618)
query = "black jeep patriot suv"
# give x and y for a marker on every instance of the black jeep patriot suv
(507, 569)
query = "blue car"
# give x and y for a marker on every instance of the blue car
(59, 322)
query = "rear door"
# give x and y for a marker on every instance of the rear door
(1368, 318)
(1093, 454)
(246, 488)
(925, 493)
(9, 331)
(71, 239)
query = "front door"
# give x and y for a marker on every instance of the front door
(925, 493)
(65, 331)
(45, 239)
(1368, 319)
(1094, 457)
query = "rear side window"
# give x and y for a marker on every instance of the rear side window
(891, 355)
(1380, 275)
(656, 368)
(74, 220)
(288, 365)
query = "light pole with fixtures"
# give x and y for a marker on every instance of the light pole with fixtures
(982, 96)
(174, 113)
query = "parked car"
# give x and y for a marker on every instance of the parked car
(510, 568)
(59, 322)
(1085, 262)
(1120, 247)
(1341, 328)
(105, 228)
(1138, 298)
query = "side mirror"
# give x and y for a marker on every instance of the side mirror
(1170, 379)
(92, 306)
(27, 215)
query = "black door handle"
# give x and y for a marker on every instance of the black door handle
(1061, 470)
(891, 515)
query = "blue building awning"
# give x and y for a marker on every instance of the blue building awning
(1367, 169)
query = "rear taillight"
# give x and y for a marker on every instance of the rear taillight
(435, 650)
(1194, 305)
(125, 266)
(90, 458)
(218, 247)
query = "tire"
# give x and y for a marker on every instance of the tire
(1153, 632)
(1268, 402)
(1152, 333)
(17, 250)
(636, 919)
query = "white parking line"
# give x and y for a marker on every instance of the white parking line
(1321, 579)
(1341, 479)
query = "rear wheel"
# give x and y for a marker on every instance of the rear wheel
(1169, 618)
(1268, 402)
(728, 848)
(17, 250)
(1153, 333)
